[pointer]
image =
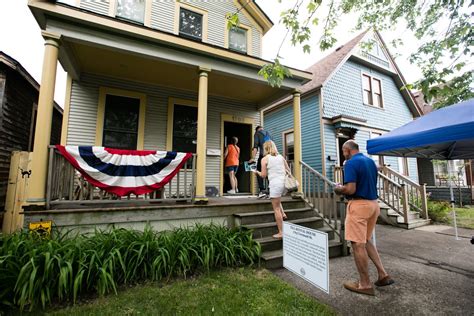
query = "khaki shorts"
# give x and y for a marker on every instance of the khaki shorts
(361, 218)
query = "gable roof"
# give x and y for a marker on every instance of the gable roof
(14, 65)
(326, 67)
(257, 13)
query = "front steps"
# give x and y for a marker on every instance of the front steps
(390, 217)
(264, 226)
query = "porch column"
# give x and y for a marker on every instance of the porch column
(39, 160)
(297, 136)
(201, 137)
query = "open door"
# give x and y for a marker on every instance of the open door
(243, 132)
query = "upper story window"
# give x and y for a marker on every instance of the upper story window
(372, 91)
(190, 24)
(133, 10)
(238, 39)
(69, 2)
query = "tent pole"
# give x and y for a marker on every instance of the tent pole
(450, 162)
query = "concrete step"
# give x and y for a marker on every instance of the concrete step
(413, 223)
(274, 259)
(268, 216)
(269, 243)
(270, 228)
(411, 215)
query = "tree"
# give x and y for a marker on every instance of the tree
(444, 55)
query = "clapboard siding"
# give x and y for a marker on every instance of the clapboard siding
(83, 113)
(330, 148)
(163, 15)
(97, 6)
(281, 120)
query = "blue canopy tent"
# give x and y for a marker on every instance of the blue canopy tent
(447, 133)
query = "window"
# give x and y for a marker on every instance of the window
(238, 39)
(69, 2)
(121, 122)
(372, 91)
(190, 24)
(403, 166)
(289, 142)
(378, 159)
(184, 128)
(133, 10)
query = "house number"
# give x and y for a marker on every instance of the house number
(237, 119)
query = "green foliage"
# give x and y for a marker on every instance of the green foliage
(232, 20)
(274, 73)
(438, 211)
(240, 291)
(36, 271)
(445, 52)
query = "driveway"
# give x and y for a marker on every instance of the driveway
(433, 273)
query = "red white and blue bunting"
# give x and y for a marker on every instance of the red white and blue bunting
(125, 171)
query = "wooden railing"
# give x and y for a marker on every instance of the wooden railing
(415, 193)
(318, 192)
(397, 191)
(66, 186)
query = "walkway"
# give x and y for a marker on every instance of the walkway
(434, 275)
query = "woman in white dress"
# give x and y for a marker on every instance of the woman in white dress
(275, 167)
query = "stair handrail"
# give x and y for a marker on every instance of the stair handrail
(393, 194)
(417, 198)
(319, 194)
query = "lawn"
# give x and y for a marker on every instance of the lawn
(465, 217)
(241, 291)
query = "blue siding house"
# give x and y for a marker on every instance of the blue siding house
(356, 94)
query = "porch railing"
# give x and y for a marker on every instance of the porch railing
(318, 192)
(399, 192)
(67, 186)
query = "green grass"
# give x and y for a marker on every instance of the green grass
(242, 291)
(464, 216)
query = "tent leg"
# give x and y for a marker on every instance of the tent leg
(452, 203)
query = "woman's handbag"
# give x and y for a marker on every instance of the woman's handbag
(291, 184)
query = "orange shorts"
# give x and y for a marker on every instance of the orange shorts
(361, 218)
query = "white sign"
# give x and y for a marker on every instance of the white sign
(306, 254)
(213, 152)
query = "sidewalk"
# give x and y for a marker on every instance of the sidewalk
(434, 275)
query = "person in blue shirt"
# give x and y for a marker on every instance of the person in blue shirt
(360, 188)
(260, 137)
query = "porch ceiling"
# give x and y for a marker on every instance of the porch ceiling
(113, 63)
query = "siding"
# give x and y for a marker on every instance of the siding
(97, 6)
(83, 113)
(343, 95)
(330, 147)
(282, 120)
(163, 14)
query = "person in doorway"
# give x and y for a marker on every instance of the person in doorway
(275, 167)
(260, 137)
(231, 156)
(360, 188)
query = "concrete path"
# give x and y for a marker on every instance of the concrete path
(434, 275)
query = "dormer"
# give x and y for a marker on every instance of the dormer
(198, 20)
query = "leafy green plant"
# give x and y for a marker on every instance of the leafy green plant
(438, 211)
(35, 271)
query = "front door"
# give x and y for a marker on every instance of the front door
(244, 134)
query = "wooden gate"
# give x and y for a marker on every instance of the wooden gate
(16, 191)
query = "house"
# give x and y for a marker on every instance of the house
(355, 93)
(439, 174)
(18, 107)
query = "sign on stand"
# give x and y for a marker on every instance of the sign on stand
(306, 254)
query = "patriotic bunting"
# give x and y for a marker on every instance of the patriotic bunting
(125, 171)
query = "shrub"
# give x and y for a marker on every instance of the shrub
(438, 211)
(35, 271)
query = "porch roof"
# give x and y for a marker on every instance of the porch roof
(105, 45)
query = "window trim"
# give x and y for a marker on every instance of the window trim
(372, 77)
(249, 38)
(171, 104)
(194, 9)
(103, 92)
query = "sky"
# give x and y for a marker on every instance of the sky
(26, 45)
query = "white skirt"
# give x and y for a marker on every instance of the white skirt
(277, 187)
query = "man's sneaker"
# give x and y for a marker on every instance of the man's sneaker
(261, 195)
(231, 191)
